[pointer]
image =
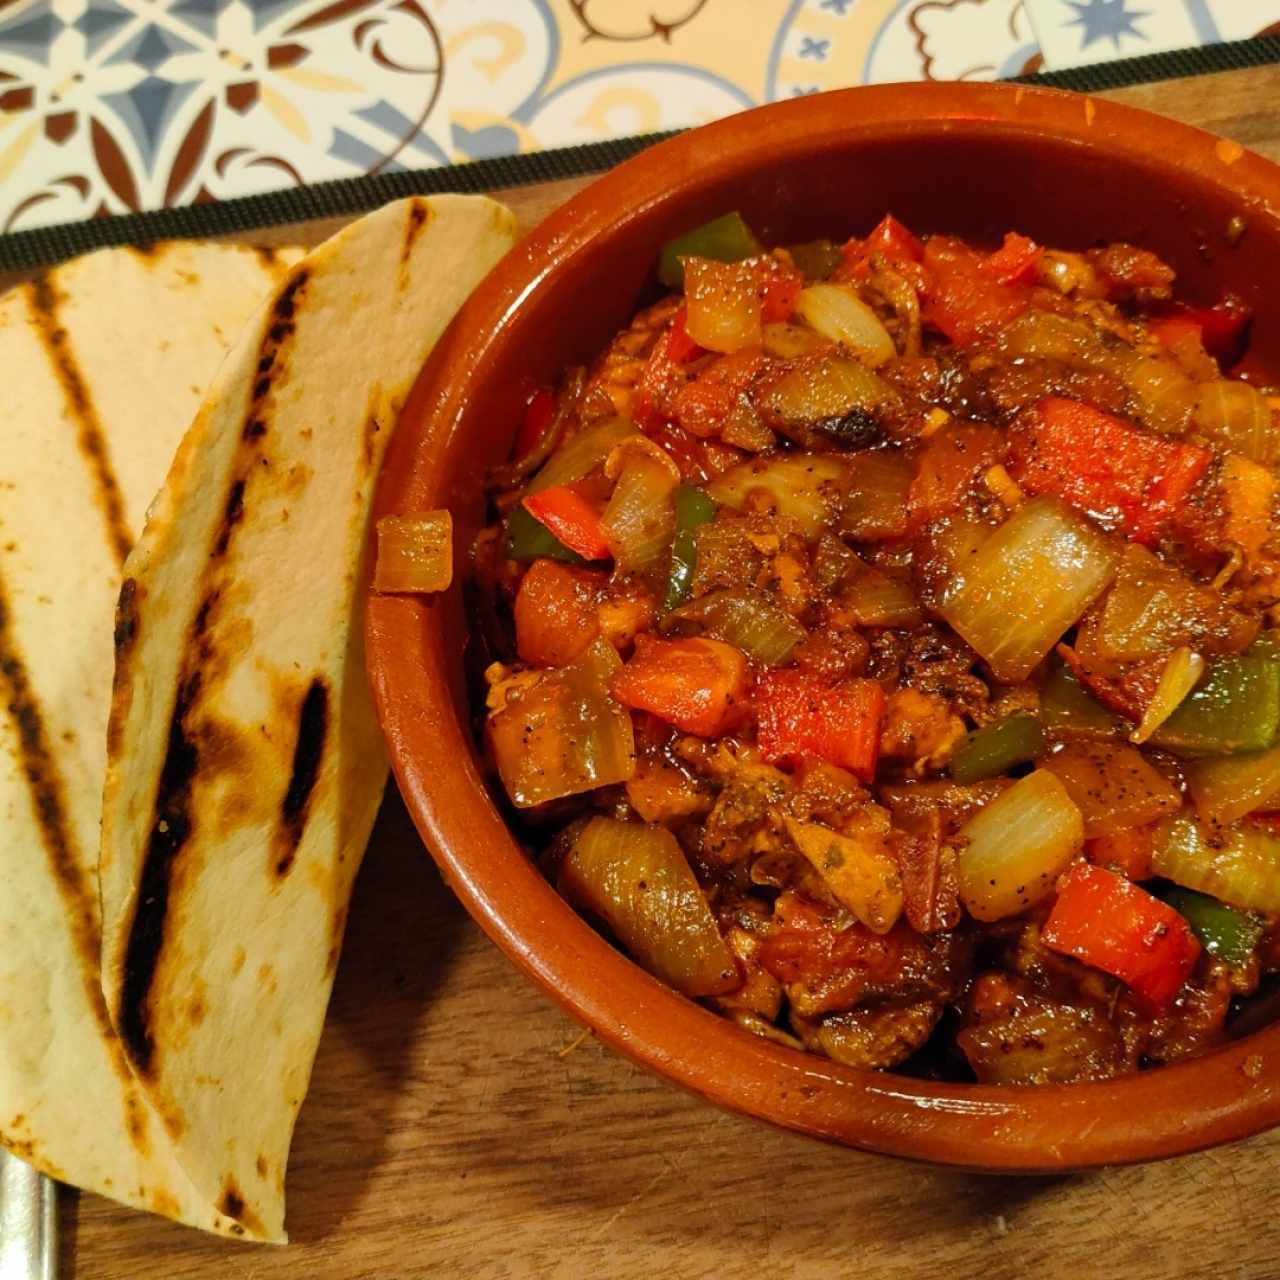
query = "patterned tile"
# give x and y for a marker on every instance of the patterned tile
(112, 105)
(1073, 33)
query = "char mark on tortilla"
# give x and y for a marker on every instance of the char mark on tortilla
(313, 724)
(231, 1204)
(43, 301)
(418, 213)
(371, 429)
(286, 303)
(47, 791)
(232, 514)
(126, 627)
(125, 636)
(269, 363)
(169, 832)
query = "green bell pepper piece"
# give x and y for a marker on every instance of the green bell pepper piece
(1267, 645)
(816, 259)
(1225, 932)
(693, 508)
(996, 748)
(530, 539)
(1068, 710)
(1235, 708)
(726, 239)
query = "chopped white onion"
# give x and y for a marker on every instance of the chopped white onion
(837, 312)
(1014, 849)
(636, 879)
(1028, 582)
(1240, 865)
(807, 488)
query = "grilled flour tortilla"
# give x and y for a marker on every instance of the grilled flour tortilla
(103, 362)
(245, 762)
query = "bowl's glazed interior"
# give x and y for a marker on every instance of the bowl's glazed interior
(973, 160)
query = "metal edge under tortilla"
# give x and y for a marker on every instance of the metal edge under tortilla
(246, 765)
(87, 440)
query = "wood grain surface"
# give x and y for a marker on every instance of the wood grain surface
(458, 1125)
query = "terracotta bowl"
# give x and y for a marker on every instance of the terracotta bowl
(969, 159)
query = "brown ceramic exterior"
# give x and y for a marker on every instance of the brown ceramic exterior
(969, 159)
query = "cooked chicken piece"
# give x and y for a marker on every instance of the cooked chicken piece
(828, 962)
(860, 871)
(920, 727)
(1016, 1036)
(660, 793)
(1197, 1019)
(627, 608)
(506, 683)
(872, 1038)
(761, 992)
(612, 380)
(826, 793)
(743, 821)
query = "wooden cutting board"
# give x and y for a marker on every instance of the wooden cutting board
(459, 1125)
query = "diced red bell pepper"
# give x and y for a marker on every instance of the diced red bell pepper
(1110, 923)
(800, 714)
(556, 613)
(779, 294)
(538, 413)
(947, 468)
(681, 348)
(571, 518)
(894, 240)
(889, 238)
(686, 452)
(1223, 330)
(963, 301)
(698, 685)
(902, 249)
(1014, 262)
(701, 406)
(1105, 467)
(673, 348)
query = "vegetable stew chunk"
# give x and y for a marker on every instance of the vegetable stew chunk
(881, 650)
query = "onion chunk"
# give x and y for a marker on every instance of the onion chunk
(415, 553)
(1238, 865)
(753, 621)
(1016, 847)
(805, 488)
(837, 312)
(1027, 583)
(563, 733)
(636, 879)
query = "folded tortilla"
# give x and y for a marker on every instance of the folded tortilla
(245, 763)
(103, 362)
